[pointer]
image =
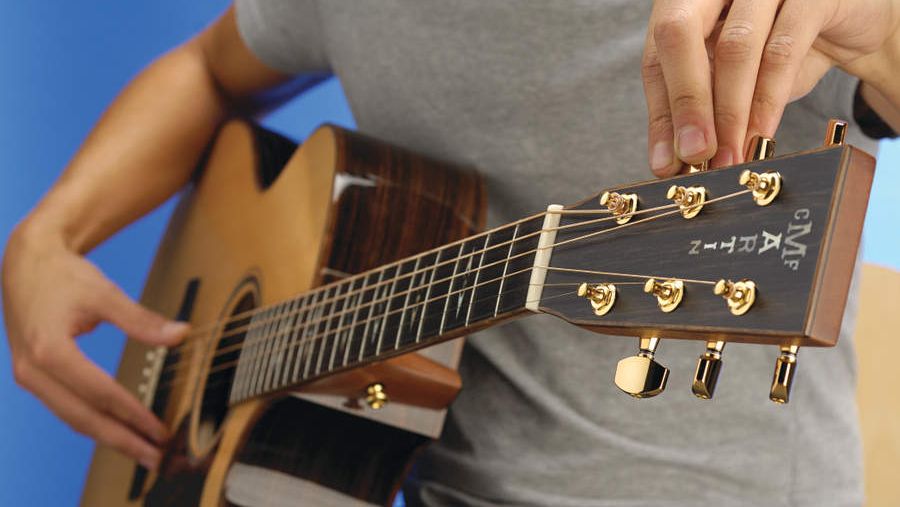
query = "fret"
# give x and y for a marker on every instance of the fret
(301, 326)
(340, 341)
(521, 260)
(484, 250)
(378, 315)
(362, 314)
(280, 345)
(314, 341)
(258, 353)
(461, 252)
(306, 340)
(371, 311)
(460, 290)
(512, 243)
(293, 332)
(490, 276)
(239, 391)
(425, 302)
(411, 286)
(359, 293)
(387, 308)
(326, 346)
(265, 355)
(272, 353)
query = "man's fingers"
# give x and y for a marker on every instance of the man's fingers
(660, 137)
(679, 29)
(85, 419)
(796, 28)
(139, 322)
(69, 366)
(737, 53)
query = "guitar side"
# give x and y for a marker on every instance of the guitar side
(341, 202)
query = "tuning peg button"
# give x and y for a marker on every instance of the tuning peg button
(834, 135)
(783, 378)
(760, 148)
(641, 376)
(707, 373)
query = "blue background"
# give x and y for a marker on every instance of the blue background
(61, 64)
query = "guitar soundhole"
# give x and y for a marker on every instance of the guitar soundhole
(222, 368)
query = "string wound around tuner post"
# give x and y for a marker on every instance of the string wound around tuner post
(602, 296)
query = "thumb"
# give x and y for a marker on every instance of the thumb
(139, 322)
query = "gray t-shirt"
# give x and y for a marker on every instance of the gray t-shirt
(545, 98)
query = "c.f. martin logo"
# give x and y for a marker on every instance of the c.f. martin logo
(788, 243)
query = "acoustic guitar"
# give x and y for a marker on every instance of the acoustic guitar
(314, 277)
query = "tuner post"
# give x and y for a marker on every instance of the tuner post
(690, 200)
(641, 376)
(739, 295)
(783, 378)
(622, 206)
(668, 293)
(707, 373)
(602, 296)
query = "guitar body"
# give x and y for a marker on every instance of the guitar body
(263, 222)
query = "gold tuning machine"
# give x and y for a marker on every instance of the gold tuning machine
(376, 396)
(763, 186)
(785, 367)
(668, 293)
(689, 199)
(699, 168)
(707, 373)
(641, 376)
(834, 135)
(760, 148)
(739, 295)
(622, 206)
(602, 296)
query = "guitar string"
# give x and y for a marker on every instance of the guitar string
(321, 303)
(200, 331)
(282, 333)
(225, 366)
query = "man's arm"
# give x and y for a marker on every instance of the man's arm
(142, 150)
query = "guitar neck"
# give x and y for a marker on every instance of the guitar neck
(419, 301)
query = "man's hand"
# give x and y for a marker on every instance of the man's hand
(717, 72)
(51, 295)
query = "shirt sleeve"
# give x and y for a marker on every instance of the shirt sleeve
(283, 34)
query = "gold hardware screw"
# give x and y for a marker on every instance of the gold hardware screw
(668, 293)
(602, 296)
(739, 295)
(621, 205)
(376, 396)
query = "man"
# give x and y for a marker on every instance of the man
(544, 98)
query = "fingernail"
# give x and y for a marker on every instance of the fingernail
(691, 142)
(662, 155)
(149, 462)
(175, 328)
(723, 158)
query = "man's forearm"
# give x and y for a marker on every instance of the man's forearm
(148, 141)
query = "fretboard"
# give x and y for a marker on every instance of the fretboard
(400, 307)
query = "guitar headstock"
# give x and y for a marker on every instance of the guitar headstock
(761, 252)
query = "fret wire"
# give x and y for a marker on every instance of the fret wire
(284, 357)
(450, 288)
(487, 239)
(365, 336)
(424, 311)
(311, 324)
(336, 339)
(308, 307)
(327, 312)
(259, 355)
(315, 354)
(406, 304)
(267, 359)
(339, 298)
(359, 294)
(292, 342)
(512, 242)
(275, 353)
(387, 309)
